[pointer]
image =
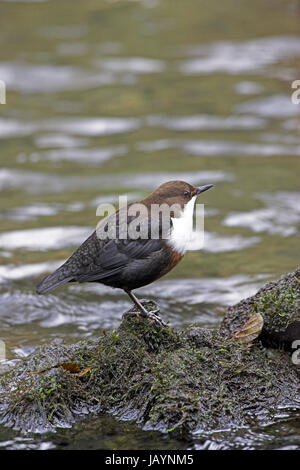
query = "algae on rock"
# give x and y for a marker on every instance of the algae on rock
(278, 303)
(176, 381)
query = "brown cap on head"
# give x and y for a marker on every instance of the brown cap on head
(175, 192)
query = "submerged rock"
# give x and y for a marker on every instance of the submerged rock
(176, 381)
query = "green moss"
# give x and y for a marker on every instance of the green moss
(276, 306)
(176, 381)
(278, 303)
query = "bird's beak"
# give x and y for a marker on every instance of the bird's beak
(203, 188)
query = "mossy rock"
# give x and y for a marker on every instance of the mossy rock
(277, 304)
(175, 381)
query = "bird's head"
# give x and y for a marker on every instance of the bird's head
(176, 193)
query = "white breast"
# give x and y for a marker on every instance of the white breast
(182, 230)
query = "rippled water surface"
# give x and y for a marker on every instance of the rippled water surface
(116, 97)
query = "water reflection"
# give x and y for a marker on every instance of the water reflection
(117, 98)
(36, 182)
(219, 148)
(86, 309)
(52, 238)
(206, 121)
(248, 88)
(10, 272)
(275, 106)
(90, 156)
(33, 78)
(240, 57)
(59, 140)
(135, 65)
(281, 216)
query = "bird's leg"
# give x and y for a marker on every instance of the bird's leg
(151, 315)
(135, 300)
(149, 302)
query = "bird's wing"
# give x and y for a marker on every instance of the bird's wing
(114, 256)
(98, 258)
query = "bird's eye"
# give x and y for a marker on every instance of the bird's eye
(187, 193)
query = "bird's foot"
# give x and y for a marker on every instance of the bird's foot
(153, 305)
(150, 315)
(153, 317)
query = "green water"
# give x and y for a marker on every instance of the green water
(114, 97)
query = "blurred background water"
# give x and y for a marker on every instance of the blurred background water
(115, 97)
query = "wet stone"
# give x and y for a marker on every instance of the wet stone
(175, 381)
(278, 303)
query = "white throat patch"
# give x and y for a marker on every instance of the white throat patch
(182, 230)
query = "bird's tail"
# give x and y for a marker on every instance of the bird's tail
(52, 281)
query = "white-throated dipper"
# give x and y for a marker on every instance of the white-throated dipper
(135, 246)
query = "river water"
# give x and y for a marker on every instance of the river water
(112, 98)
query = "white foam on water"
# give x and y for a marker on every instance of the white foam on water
(81, 155)
(252, 56)
(92, 126)
(136, 65)
(50, 238)
(227, 290)
(59, 141)
(35, 182)
(34, 211)
(67, 127)
(248, 88)
(33, 78)
(153, 180)
(38, 183)
(28, 212)
(15, 128)
(215, 243)
(275, 106)
(214, 148)
(206, 121)
(13, 273)
(280, 216)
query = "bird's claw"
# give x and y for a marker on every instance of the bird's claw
(153, 317)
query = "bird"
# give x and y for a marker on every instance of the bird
(134, 246)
